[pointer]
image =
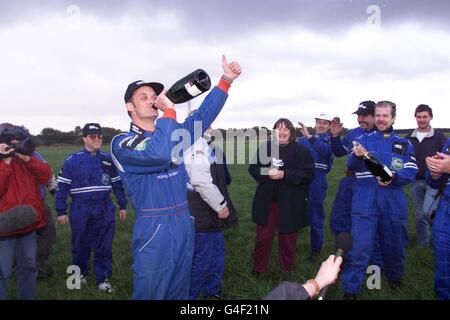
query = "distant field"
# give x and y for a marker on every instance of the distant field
(238, 281)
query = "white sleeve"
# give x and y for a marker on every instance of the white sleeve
(197, 163)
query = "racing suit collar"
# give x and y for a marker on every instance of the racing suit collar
(88, 152)
(136, 129)
(385, 134)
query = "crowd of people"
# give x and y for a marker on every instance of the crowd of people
(182, 205)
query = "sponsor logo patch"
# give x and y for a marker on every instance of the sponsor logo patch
(141, 146)
(397, 164)
(105, 179)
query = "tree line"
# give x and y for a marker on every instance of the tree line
(50, 136)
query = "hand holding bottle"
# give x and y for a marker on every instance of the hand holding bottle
(374, 165)
(386, 183)
(162, 102)
(358, 149)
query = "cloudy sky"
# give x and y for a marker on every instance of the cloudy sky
(65, 63)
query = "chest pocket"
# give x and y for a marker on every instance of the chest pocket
(399, 148)
(106, 168)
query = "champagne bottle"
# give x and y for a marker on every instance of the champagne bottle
(378, 168)
(189, 87)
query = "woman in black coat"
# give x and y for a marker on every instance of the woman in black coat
(281, 197)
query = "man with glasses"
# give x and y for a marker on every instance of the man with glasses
(89, 176)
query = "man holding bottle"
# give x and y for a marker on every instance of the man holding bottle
(163, 237)
(379, 208)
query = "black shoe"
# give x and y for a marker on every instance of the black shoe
(395, 285)
(350, 296)
(219, 296)
(315, 255)
(45, 273)
(256, 274)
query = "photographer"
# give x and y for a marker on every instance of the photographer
(20, 177)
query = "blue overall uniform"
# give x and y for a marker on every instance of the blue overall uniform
(341, 211)
(340, 217)
(163, 235)
(380, 210)
(441, 233)
(320, 149)
(89, 178)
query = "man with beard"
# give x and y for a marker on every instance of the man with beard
(340, 217)
(379, 208)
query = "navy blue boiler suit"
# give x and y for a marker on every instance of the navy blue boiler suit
(320, 149)
(380, 210)
(163, 236)
(441, 233)
(341, 212)
(89, 178)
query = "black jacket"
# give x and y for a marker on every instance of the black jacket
(292, 191)
(432, 143)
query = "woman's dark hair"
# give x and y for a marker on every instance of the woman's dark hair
(288, 124)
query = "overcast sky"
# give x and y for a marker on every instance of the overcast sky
(65, 63)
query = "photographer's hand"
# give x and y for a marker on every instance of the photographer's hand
(4, 151)
(23, 157)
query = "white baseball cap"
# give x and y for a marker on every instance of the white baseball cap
(323, 116)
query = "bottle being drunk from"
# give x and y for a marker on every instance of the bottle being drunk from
(189, 87)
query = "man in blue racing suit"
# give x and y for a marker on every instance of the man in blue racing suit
(155, 179)
(379, 208)
(89, 176)
(341, 211)
(340, 217)
(320, 149)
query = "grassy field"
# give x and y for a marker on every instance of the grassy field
(237, 281)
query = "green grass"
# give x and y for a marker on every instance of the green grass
(237, 280)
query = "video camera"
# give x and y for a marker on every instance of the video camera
(23, 143)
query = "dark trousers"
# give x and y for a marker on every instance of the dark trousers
(46, 238)
(263, 245)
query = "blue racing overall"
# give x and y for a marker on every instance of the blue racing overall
(381, 210)
(320, 149)
(89, 178)
(155, 180)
